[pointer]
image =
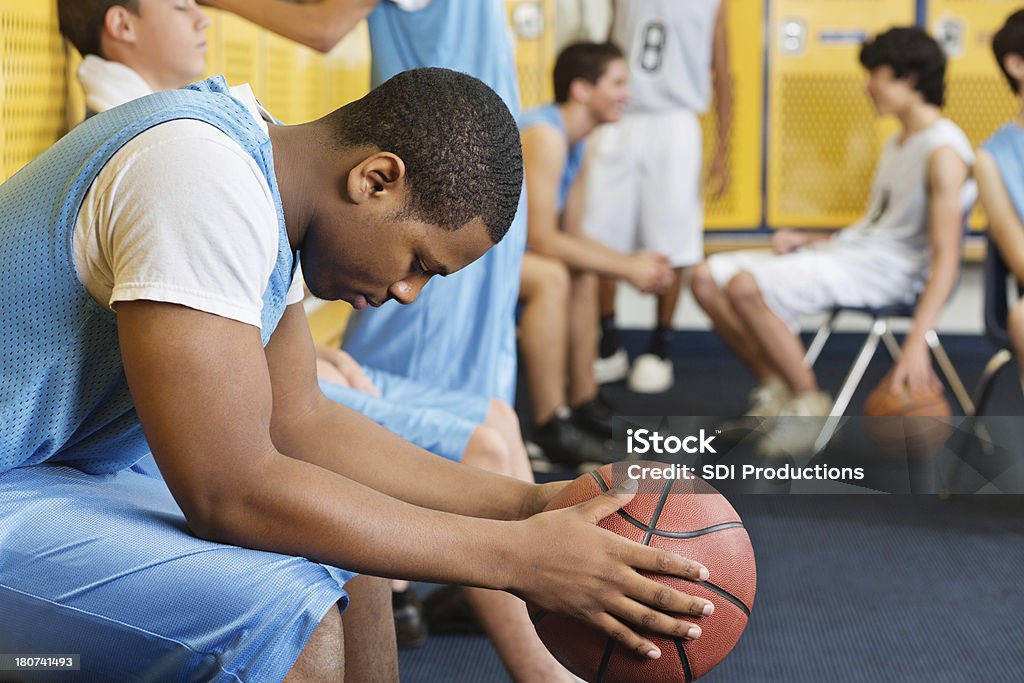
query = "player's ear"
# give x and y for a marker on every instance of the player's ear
(378, 175)
(119, 24)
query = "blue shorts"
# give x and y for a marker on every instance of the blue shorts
(438, 420)
(104, 566)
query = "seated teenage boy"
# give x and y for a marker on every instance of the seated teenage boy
(152, 256)
(558, 283)
(132, 48)
(906, 247)
(1000, 173)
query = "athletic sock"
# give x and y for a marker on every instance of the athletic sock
(609, 336)
(661, 339)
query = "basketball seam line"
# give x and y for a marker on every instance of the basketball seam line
(683, 659)
(657, 512)
(668, 534)
(609, 648)
(727, 595)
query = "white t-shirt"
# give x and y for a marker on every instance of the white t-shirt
(182, 214)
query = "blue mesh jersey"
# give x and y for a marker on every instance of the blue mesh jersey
(551, 115)
(63, 393)
(1007, 148)
(460, 333)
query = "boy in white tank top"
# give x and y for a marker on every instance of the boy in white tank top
(644, 188)
(905, 248)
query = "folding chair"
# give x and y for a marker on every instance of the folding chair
(881, 329)
(998, 283)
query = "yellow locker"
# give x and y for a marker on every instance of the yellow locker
(740, 206)
(238, 52)
(533, 27)
(823, 136)
(977, 96)
(214, 42)
(348, 68)
(33, 82)
(286, 76)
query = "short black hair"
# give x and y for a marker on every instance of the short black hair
(910, 53)
(457, 138)
(1009, 40)
(582, 60)
(81, 21)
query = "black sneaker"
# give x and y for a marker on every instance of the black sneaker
(410, 624)
(566, 444)
(595, 416)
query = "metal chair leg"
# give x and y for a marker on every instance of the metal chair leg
(955, 383)
(818, 343)
(892, 345)
(972, 426)
(860, 366)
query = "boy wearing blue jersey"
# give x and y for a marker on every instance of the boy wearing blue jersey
(1000, 174)
(558, 283)
(153, 258)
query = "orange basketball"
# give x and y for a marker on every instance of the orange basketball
(688, 517)
(911, 425)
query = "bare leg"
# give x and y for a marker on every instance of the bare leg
(583, 328)
(543, 332)
(504, 616)
(783, 348)
(371, 655)
(1015, 322)
(606, 295)
(728, 324)
(323, 658)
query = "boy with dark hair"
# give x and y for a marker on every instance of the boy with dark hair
(1000, 173)
(906, 247)
(133, 48)
(151, 261)
(472, 429)
(558, 283)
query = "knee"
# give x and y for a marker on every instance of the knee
(743, 291)
(554, 277)
(487, 450)
(702, 284)
(501, 417)
(323, 657)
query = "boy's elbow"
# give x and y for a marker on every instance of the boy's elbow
(215, 512)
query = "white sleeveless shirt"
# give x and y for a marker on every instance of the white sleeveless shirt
(668, 46)
(895, 226)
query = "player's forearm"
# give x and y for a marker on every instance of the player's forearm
(584, 253)
(1009, 238)
(292, 507)
(348, 443)
(319, 25)
(942, 278)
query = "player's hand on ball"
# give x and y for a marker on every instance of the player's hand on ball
(592, 575)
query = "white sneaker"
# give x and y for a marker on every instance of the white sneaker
(651, 374)
(799, 423)
(767, 399)
(614, 368)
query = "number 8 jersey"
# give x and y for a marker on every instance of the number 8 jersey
(668, 45)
